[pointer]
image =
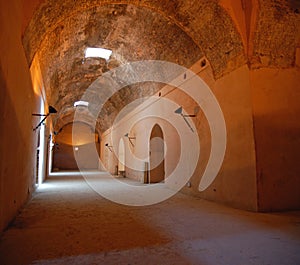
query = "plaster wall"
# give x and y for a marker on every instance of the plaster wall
(108, 157)
(64, 158)
(276, 112)
(17, 103)
(235, 184)
(137, 150)
(141, 149)
(72, 145)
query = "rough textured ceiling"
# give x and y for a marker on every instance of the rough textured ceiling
(131, 33)
(204, 21)
(180, 31)
(277, 34)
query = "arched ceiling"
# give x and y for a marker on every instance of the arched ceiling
(206, 22)
(132, 34)
(84, 134)
(180, 31)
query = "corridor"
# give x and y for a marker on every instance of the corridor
(66, 222)
(193, 104)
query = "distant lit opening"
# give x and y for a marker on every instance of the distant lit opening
(41, 150)
(97, 53)
(81, 103)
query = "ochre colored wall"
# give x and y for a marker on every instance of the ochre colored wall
(17, 103)
(64, 159)
(235, 185)
(108, 157)
(77, 135)
(276, 112)
(28, 8)
(141, 147)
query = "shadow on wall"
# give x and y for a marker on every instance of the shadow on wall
(278, 171)
(157, 154)
(16, 152)
(66, 144)
(157, 149)
(63, 156)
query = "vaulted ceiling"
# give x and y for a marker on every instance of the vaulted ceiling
(179, 31)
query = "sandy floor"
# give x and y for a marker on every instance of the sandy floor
(66, 222)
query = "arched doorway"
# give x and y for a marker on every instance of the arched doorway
(121, 158)
(157, 161)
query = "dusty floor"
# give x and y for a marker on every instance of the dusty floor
(66, 222)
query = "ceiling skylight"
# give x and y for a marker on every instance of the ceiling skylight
(81, 103)
(97, 53)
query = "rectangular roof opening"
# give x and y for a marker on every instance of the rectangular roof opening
(81, 103)
(97, 53)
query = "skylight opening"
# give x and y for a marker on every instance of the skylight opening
(81, 103)
(97, 53)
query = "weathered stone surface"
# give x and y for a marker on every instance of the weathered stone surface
(180, 31)
(162, 30)
(277, 34)
(204, 21)
(131, 33)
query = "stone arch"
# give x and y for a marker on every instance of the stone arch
(66, 116)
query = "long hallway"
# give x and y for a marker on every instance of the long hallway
(66, 222)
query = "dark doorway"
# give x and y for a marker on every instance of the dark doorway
(157, 160)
